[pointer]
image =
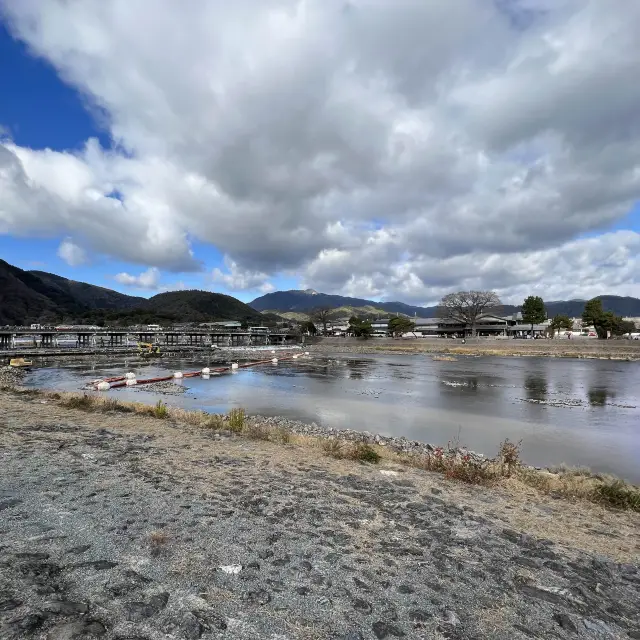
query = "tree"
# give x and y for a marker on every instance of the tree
(595, 315)
(308, 327)
(467, 306)
(560, 322)
(533, 311)
(321, 315)
(399, 326)
(622, 327)
(360, 328)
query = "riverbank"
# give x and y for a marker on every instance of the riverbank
(119, 525)
(627, 350)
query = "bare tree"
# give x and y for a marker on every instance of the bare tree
(467, 306)
(321, 316)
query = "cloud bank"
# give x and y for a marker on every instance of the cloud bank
(390, 149)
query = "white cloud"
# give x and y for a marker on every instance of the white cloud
(390, 149)
(71, 253)
(237, 279)
(149, 279)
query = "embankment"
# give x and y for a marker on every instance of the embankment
(557, 348)
(119, 525)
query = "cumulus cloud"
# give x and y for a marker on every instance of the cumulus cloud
(71, 253)
(238, 279)
(389, 149)
(149, 279)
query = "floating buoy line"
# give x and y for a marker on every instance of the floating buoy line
(129, 379)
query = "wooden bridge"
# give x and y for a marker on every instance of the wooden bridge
(19, 339)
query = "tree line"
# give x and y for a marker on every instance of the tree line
(467, 307)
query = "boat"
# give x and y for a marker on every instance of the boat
(20, 362)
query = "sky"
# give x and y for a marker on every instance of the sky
(386, 150)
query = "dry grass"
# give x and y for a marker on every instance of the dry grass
(576, 484)
(344, 450)
(157, 542)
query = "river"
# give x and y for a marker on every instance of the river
(577, 412)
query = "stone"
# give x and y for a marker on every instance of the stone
(77, 630)
(361, 584)
(210, 619)
(419, 615)
(186, 626)
(138, 611)
(8, 504)
(303, 591)
(99, 565)
(79, 549)
(66, 608)
(565, 621)
(362, 606)
(352, 635)
(405, 588)
(8, 604)
(383, 629)
(259, 597)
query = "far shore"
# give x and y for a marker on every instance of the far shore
(587, 348)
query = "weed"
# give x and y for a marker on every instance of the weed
(236, 420)
(84, 402)
(215, 422)
(509, 455)
(256, 431)
(281, 435)
(365, 453)
(113, 404)
(617, 494)
(334, 447)
(157, 541)
(160, 410)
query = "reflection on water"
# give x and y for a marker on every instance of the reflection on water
(599, 396)
(536, 386)
(562, 409)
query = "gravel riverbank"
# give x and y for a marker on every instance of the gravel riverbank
(627, 350)
(118, 526)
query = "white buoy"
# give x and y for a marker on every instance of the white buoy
(273, 350)
(131, 382)
(295, 356)
(306, 353)
(234, 365)
(206, 371)
(274, 360)
(205, 376)
(130, 376)
(103, 386)
(178, 374)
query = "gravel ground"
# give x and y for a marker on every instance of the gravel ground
(116, 526)
(11, 376)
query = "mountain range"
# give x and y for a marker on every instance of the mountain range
(37, 296)
(305, 301)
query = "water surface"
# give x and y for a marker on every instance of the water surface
(578, 412)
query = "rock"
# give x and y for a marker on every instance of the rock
(139, 611)
(405, 588)
(66, 608)
(8, 504)
(9, 604)
(259, 597)
(77, 630)
(79, 549)
(210, 620)
(352, 635)
(419, 615)
(362, 606)
(383, 629)
(565, 622)
(99, 565)
(361, 584)
(187, 626)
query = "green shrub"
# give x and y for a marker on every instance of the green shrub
(236, 420)
(618, 494)
(365, 453)
(113, 404)
(160, 410)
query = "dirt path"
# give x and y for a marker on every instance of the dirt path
(117, 526)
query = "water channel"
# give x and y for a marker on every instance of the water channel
(578, 412)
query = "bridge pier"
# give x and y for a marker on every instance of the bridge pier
(47, 340)
(6, 341)
(84, 340)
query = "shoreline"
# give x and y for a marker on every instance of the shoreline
(619, 350)
(119, 525)
(451, 460)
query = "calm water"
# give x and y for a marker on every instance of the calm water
(580, 412)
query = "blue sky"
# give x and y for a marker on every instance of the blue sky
(38, 110)
(431, 151)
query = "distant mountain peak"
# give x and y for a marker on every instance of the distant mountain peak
(311, 292)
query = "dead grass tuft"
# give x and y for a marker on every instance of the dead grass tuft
(157, 542)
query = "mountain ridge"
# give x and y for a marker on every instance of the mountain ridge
(297, 300)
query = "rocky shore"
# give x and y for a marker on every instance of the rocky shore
(122, 527)
(11, 376)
